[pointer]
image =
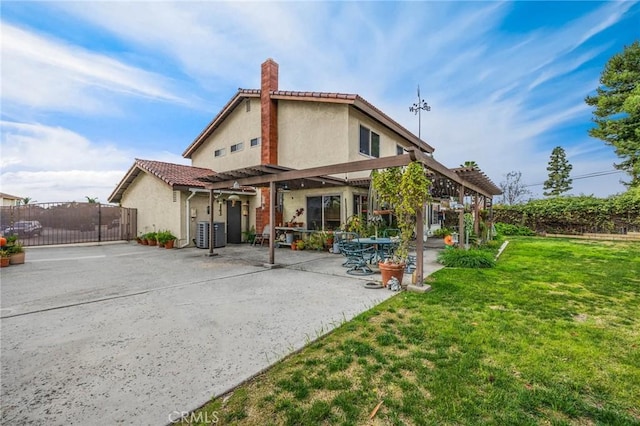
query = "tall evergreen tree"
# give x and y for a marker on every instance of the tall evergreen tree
(559, 169)
(617, 110)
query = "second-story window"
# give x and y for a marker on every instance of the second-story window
(219, 152)
(369, 142)
(399, 150)
(255, 142)
(236, 147)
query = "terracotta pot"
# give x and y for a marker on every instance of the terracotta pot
(17, 258)
(294, 246)
(389, 270)
(144, 242)
(4, 261)
(153, 242)
(169, 244)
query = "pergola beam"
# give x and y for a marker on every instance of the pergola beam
(350, 167)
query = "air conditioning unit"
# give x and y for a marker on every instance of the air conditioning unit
(202, 235)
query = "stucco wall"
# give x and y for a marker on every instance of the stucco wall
(298, 199)
(240, 126)
(311, 134)
(388, 140)
(199, 203)
(155, 203)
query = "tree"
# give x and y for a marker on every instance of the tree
(617, 110)
(469, 165)
(513, 190)
(26, 200)
(91, 200)
(559, 168)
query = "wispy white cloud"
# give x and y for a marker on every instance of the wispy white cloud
(33, 146)
(496, 97)
(41, 72)
(56, 164)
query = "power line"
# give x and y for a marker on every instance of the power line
(585, 176)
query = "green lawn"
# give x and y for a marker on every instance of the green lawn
(551, 335)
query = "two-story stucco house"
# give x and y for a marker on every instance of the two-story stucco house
(268, 130)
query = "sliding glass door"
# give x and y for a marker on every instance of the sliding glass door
(323, 212)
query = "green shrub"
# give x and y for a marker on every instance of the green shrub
(442, 232)
(473, 258)
(508, 229)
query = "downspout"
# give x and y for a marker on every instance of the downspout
(193, 193)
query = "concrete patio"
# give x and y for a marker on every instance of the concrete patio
(123, 333)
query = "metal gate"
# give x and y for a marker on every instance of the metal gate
(68, 223)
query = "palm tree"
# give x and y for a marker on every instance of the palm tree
(91, 200)
(470, 165)
(26, 200)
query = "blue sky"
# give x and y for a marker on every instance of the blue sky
(89, 86)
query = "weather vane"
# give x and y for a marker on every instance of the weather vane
(417, 108)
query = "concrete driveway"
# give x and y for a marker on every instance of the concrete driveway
(131, 334)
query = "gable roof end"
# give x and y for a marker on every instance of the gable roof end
(174, 175)
(344, 98)
(236, 100)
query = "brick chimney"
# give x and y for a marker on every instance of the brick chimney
(269, 112)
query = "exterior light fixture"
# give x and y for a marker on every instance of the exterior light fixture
(233, 198)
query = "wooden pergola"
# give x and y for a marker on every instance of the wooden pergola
(466, 181)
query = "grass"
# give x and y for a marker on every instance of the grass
(550, 335)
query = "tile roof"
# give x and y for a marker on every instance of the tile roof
(175, 174)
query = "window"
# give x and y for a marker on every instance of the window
(369, 142)
(247, 104)
(255, 142)
(219, 152)
(323, 212)
(237, 147)
(400, 150)
(360, 204)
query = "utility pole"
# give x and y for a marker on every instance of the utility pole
(417, 108)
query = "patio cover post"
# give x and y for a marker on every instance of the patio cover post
(461, 236)
(211, 239)
(272, 220)
(476, 214)
(419, 245)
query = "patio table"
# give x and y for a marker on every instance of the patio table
(382, 244)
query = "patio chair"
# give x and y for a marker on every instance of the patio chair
(261, 238)
(344, 240)
(391, 232)
(359, 260)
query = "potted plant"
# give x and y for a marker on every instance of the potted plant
(166, 239)
(300, 244)
(297, 214)
(4, 257)
(250, 235)
(151, 239)
(406, 191)
(16, 253)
